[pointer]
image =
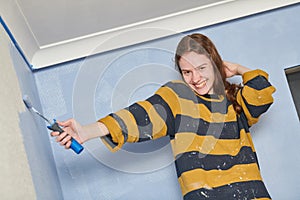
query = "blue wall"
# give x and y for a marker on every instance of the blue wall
(34, 135)
(90, 88)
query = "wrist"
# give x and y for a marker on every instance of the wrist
(242, 69)
(93, 130)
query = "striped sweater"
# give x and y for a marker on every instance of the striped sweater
(214, 153)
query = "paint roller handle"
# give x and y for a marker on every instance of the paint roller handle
(75, 146)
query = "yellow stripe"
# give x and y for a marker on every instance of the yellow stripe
(113, 128)
(258, 97)
(115, 132)
(252, 74)
(129, 120)
(185, 142)
(199, 178)
(261, 199)
(171, 98)
(189, 108)
(159, 128)
(179, 81)
(220, 99)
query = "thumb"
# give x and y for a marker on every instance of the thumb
(67, 123)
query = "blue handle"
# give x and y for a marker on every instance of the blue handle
(75, 146)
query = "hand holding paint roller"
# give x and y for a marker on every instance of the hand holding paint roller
(54, 126)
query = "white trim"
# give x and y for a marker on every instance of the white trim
(137, 24)
(17, 25)
(67, 50)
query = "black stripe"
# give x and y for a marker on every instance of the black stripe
(224, 130)
(243, 122)
(143, 122)
(258, 83)
(110, 141)
(195, 160)
(237, 191)
(122, 125)
(185, 92)
(254, 110)
(216, 107)
(164, 111)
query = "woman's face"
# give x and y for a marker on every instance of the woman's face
(197, 71)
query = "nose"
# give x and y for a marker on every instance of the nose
(197, 76)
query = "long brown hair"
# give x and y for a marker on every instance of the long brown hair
(201, 44)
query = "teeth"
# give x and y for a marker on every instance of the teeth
(202, 84)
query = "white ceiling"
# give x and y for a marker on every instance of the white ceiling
(51, 32)
(56, 20)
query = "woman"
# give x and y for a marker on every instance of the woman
(206, 118)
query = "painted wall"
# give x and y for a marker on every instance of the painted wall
(27, 166)
(15, 181)
(90, 88)
(35, 136)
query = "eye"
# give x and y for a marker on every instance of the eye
(202, 67)
(186, 73)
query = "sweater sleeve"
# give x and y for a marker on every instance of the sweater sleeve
(256, 95)
(143, 120)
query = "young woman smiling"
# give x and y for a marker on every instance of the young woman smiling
(206, 118)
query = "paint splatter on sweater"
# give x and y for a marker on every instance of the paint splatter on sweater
(214, 154)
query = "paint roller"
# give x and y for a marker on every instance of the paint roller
(75, 146)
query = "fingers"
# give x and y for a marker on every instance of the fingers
(64, 139)
(54, 134)
(229, 65)
(226, 62)
(230, 68)
(71, 130)
(70, 126)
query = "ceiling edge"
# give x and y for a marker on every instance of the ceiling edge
(18, 28)
(45, 56)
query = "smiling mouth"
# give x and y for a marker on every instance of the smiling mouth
(200, 85)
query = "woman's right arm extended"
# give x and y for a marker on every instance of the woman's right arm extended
(73, 129)
(143, 120)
